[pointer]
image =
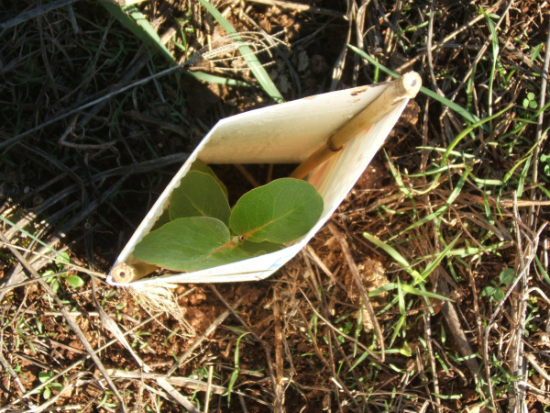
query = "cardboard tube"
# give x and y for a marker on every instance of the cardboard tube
(406, 87)
(123, 273)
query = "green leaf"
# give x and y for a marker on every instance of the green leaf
(75, 281)
(488, 291)
(44, 376)
(259, 248)
(200, 166)
(163, 219)
(47, 393)
(191, 244)
(498, 295)
(57, 386)
(507, 276)
(63, 257)
(182, 240)
(280, 211)
(55, 285)
(199, 195)
(231, 253)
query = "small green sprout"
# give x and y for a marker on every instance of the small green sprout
(529, 101)
(235, 373)
(54, 283)
(44, 376)
(75, 281)
(496, 292)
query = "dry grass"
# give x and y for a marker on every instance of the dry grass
(449, 208)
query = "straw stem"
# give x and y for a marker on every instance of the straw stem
(123, 273)
(405, 87)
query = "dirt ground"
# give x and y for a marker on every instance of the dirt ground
(458, 196)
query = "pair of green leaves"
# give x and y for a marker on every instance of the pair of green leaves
(201, 231)
(496, 292)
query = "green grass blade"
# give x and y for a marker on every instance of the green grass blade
(253, 63)
(495, 48)
(438, 170)
(361, 358)
(469, 251)
(411, 290)
(207, 77)
(523, 177)
(380, 290)
(137, 23)
(392, 252)
(441, 210)
(397, 176)
(454, 153)
(28, 234)
(400, 325)
(456, 141)
(487, 208)
(444, 101)
(542, 270)
(401, 299)
(433, 265)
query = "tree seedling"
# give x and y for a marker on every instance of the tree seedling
(199, 230)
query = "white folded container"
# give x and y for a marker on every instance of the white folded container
(286, 133)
